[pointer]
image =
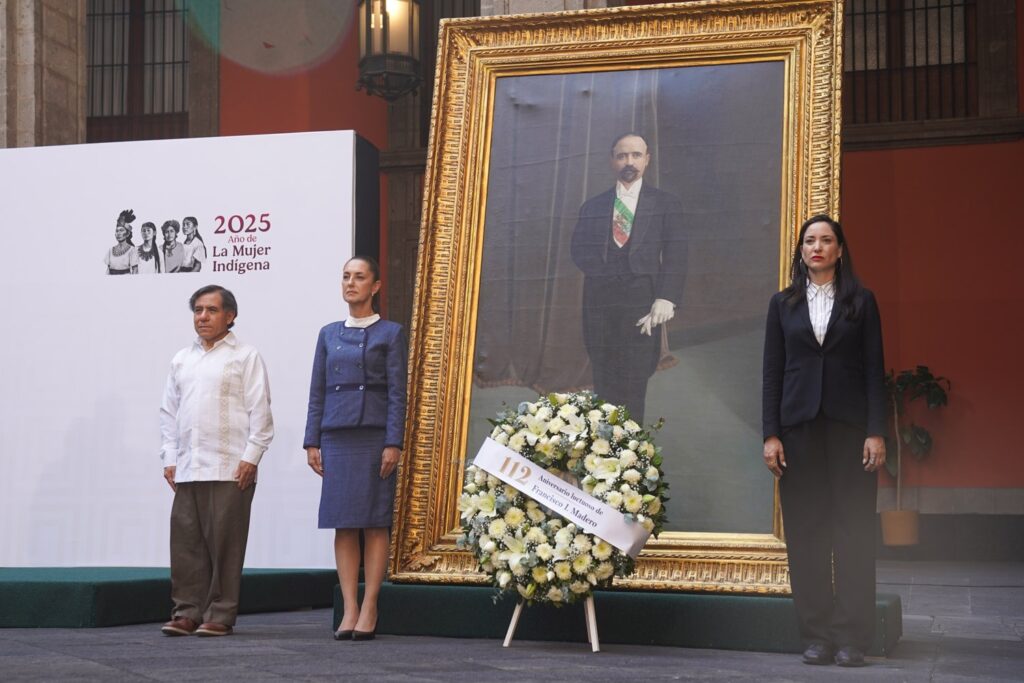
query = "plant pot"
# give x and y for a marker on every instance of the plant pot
(899, 527)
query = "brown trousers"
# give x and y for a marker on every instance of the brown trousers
(209, 530)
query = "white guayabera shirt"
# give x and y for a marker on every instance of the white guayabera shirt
(215, 411)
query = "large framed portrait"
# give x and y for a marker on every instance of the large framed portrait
(611, 200)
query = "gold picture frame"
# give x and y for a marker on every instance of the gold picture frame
(801, 38)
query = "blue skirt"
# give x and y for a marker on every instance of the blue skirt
(353, 496)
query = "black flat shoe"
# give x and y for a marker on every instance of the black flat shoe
(343, 635)
(850, 657)
(364, 635)
(818, 653)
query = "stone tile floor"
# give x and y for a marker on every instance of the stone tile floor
(962, 622)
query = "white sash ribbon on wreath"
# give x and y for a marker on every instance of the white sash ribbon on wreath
(571, 502)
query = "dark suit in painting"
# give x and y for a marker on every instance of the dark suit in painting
(823, 401)
(619, 285)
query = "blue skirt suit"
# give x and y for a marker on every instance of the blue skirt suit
(356, 409)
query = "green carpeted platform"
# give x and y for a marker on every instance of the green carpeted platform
(73, 597)
(109, 596)
(727, 622)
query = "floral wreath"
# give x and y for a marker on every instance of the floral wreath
(525, 547)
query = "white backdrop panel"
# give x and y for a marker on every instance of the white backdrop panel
(84, 355)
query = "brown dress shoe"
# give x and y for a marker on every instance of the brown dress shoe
(179, 626)
(212, 629)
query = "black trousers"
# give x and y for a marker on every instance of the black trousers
(621, 358)
(828, 510)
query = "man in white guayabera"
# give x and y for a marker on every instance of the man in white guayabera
(216, 424)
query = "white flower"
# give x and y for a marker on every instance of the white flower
(627, 458)
(563, 570)
(496, 431)
(508, 429)
(555, 425)
(532, 407)
(632, 476)
(518, 568)
(565, 536)
(608, 408)
(544, 413)
(470, 488)
(554, 594)
(568, 410)
(492, 481)
(626, 488)
(607, 469)
(653, 505)
(467, 505)
(652, 474)
(539, 574)
(590, 462)
(544, 551)
(579, 587)
(559, 398)
(602, 550)
(502, 439)
(604, 570)
(648, 524)
(582, 563)
(536, 536)
(600, 489)
(485, 503)
(614, 498)
(582, 543)
(561, 552)
(632, 501)
(504, 577)
(536, 515)
(497, 527)
(618, 433)
(633, 444)
(600, 446)
(631, 427)
(479, 476)
(648, 448)
(517, 442)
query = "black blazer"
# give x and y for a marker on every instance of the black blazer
(844, 377)
(657, 242)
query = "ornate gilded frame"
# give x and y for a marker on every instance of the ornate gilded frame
(805, 35)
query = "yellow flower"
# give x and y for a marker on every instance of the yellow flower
(604, 570)
(582, 563)
(563, 570)
(514, 516)
(648, 524)
(654, 506)
(632, 501)
(555, 594)
(579, 587)
(602, 550)
(528, 591)
(539, 574)
(536, 515)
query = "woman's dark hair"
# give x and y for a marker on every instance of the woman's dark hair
(173, 224)
(193, 221)
(227, 299)
(375, 269)
(156, 247)
(846, 282)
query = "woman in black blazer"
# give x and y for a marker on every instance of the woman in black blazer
(824, 421)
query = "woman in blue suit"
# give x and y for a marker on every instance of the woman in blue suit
(824, 423)
(354, 430)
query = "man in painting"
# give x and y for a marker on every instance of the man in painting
(630, 244)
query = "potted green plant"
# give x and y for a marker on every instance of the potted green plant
(899, 526)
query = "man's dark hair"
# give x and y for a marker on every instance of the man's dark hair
(227, 299)
(631, 134)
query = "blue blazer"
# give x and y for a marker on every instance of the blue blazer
(358, 380)
(844, 377)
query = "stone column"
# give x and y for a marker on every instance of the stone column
(42, 72)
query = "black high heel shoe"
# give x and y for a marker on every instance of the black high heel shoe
(364, 635)
(344, 635)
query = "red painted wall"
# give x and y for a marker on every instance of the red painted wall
(937, 234)
(322, 97)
